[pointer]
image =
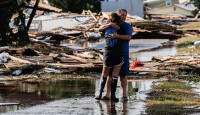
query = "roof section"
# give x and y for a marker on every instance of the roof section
(189, 7)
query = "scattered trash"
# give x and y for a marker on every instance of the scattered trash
(136, 64)
(93, 35)
(197, 43)
(4, 57)
(51, 70)
(135, 89)
(17, 72)
(4, 48)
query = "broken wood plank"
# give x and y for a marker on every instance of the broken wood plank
(92, 15)
(74, 57)
(5, 48)
(7, 84)
(8, 104)
(19, 60)
(151, 70)
(74, 65)
(42, 58)
(84, 55)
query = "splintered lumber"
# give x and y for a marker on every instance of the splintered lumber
(78, 67)
(106, 14)
(92, 15)
(74, 65)
(42, 58)
(19, 60)
(5, 48)
(159, 58)
(8, 104)
(152, 25)
(7, 84)
(74, 57)
(84, 55)
(15, 66)
(151, 70)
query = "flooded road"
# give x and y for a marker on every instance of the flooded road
(70, 97)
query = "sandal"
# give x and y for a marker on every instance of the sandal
(105, 98)
(124, 99)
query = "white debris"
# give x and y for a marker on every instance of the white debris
(4, 57)
(93, 35)
(51, 70)
(17, 72)
(197, 43)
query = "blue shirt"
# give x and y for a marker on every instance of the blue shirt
(110, 42)
(125, 29)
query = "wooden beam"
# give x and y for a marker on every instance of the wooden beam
(74, 57)
(148, 70)
(92, 15)
(19, 60)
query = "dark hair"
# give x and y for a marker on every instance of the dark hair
(114, 17)
(121, 9)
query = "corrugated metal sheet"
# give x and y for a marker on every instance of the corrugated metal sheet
(133, 7)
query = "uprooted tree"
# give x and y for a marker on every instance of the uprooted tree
(13, 30)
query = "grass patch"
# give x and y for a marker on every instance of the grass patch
(192, 25)
(184, 44)
(173, 101)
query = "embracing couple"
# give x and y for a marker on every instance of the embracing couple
(116, 56)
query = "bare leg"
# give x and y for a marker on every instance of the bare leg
(103, 82)
(116, 71)
(108, 87)
(123, 84)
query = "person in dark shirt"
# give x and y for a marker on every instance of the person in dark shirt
(112, 58)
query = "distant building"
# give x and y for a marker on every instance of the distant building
(176, 9)
(133, 7)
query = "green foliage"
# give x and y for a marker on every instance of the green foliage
(196, 3)
(76, 6)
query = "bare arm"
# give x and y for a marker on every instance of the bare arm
(106, 26)
(123, 37)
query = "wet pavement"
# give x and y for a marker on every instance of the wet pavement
(78, 100)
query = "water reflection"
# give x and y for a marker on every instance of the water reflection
(72, 97)
(33, 94)
(135, 45)
(148, 55)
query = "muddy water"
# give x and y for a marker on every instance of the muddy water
(77, 96)
(135, 45)
(28, 95)
(70, 97)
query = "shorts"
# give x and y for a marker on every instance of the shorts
(110, 61)
(124, 68)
